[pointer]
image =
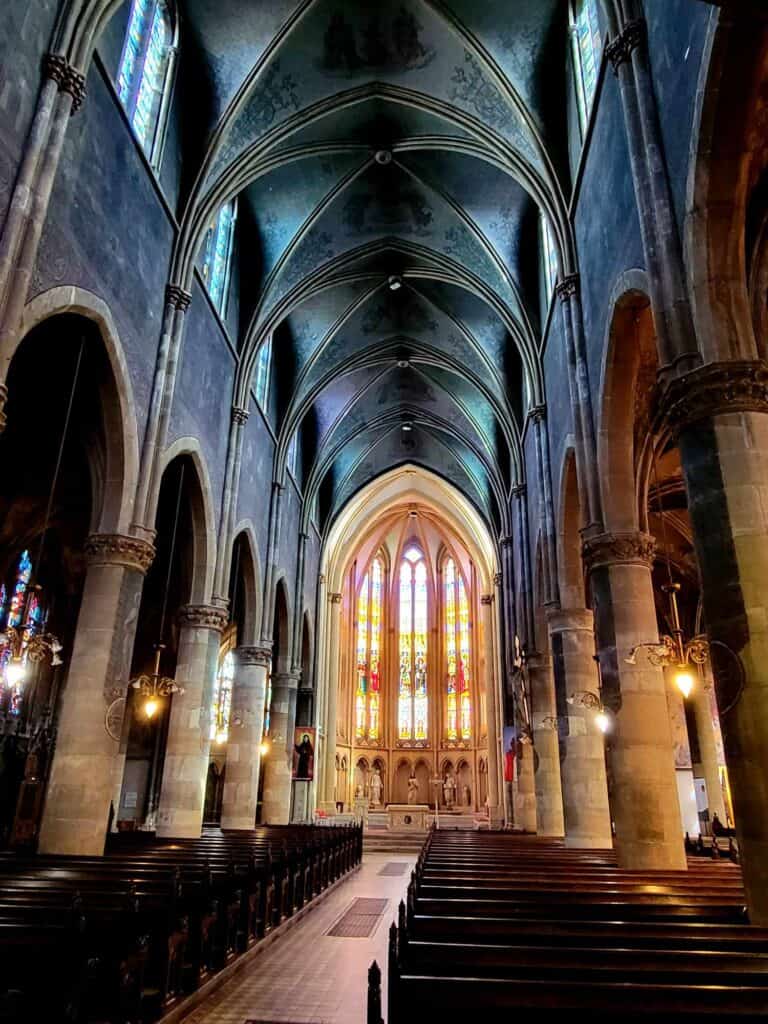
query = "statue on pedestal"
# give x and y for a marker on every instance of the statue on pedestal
(413, 789)
(449, 791)
(376, 788)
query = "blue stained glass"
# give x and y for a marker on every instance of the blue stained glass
(23, 575)
(292, 449)
(142, 76)
(3, 599)
(586, 30)
(218, 255)
(262, 372)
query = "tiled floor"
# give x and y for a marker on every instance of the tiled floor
(306, 976)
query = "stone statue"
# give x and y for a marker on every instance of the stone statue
(376, 788)
(413, 789)
(358, 792)
(449, 791)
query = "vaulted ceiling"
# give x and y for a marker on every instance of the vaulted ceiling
(390, 160)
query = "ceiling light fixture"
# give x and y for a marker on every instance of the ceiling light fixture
(383, 157)
(394, 282)
(407, 427)
(403, 364)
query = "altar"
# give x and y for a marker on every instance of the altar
(408, 817)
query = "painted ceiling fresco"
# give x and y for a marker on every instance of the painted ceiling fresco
(391, 157)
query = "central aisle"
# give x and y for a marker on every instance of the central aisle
(307, 976)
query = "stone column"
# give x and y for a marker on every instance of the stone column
(246, 726)
(525, 798)
(701, 699)
(644, 797)
(185, 771)
(584, 783)
(494, 801)
(278, 767)
(85, 761)
(720, 416)
(549, 792)
(332, 690)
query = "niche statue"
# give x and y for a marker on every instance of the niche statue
(413, 789)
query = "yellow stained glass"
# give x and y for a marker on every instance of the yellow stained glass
(404, 703)
(369, 617)
(457, 654)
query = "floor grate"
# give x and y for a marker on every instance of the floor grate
(359, 920)
(393, 868)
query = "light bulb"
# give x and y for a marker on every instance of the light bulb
(14, 672)
(150, 707)
(264, 749)
(602, 721)
(221, 736)
(684, 681)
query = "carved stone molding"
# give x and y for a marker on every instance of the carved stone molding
(286, 680)
(118, 549)
(537, 413)
(321, 578)
(498, 579)
(486, 599)
(239, 415)
(507, 540)
(519, 491)
(67, 77)
(619, 51)
(258, 654)
(714, 390)
(568, 287)
(334, 598)
(203, 616)
(607, 549)
(178, 297)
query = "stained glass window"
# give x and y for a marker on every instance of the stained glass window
(458, 654)
(263, 366)
(585, 31)
(144, 70)
(267, 703)
(15, 611)
(413, 705)
(549, 256)
(217, 258)
(222, 698)
(369, 617)
(292, 452)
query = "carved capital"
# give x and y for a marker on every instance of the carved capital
(259, 654)
(286, 680)
(607, 549)
(537, 413)
(568, 287)
(519, 491)
(498, 579)
(118, 549)
(239, 415)
(334, 598)
(619, 51)
(714, 390)
(68, 78)
(507, 540)
(321, 578)
(178, 297)
(203, 616)
(486, 599)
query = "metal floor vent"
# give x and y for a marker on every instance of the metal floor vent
(359, 920)
(394, 868)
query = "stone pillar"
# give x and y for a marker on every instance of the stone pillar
(332, 691)
(584, 784)
(701, 699)
(549, 792)
(246, 726)
(644, 796)
(525, 798)
(720, 416)
(494, 799)
(85, 761)
(185, 771)
(278, 767)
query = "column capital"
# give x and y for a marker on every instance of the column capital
(498, 579)
(605, 549)
(119, 549)
(321, 578)
(537, 413)
(203, 616)
(256, 654)
(177, 297)
(565, 620)
(619, 51)
(67, 77)
(289, 680)
(519, 491)
(486, 599)
(715, 389)
(334, 598)
(239, 415)
(569, 286)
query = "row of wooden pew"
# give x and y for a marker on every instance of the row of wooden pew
(495, 923)
(124, 938)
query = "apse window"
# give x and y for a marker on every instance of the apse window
(263, 368)
(585, 37)
(217, 255)
(146, 72)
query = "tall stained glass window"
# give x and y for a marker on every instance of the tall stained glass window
(145, 71)
(549, 256)
(412, 705)
(585, 33)
(13, 601)
(217, 256)
(263, 366)
(222, 698)
(458, 654)
(292, 453)
(369, 617)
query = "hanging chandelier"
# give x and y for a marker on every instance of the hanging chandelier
(673, 651)
(154, 686)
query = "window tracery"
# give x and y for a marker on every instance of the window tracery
(369, 626)
(585, 35)
(263, 367)
(457, 654)
(413, 701)
(143, 79)
(217, 259)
